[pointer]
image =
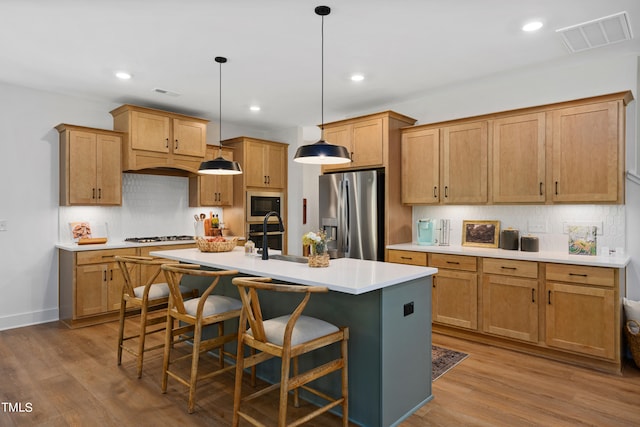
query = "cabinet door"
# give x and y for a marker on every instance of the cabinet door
(109, 170)
(455, 299)
(150, 132)
(254, 171)
(83, 188)
(214, 190)
(189, 138)
(339, 135)
(114, 284)
(90, 289)
(581, 319)
(420, 167)
(276, 159)
(585, 153)
(465, 163)
(519, 159)
(510, 307)
(367, 143)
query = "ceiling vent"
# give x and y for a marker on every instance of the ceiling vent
(166, 92)
(597, 33)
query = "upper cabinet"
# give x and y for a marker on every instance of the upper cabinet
(587, 153)
(212, 190)
(366, 138)
(445, 164)
(518, 173)
(160, 139)
(90, 171)
(570, 152)
(264, 163)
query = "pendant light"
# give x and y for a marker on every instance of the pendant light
(220, 165)
(322, 152)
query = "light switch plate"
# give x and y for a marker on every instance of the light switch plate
(534, 226)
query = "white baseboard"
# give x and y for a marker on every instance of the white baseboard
(26, 319)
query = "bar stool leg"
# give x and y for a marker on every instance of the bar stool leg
(284, 388)
(197, 336)
(141, 338)
(123, 309)
(168, 345)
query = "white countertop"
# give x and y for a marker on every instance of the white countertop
(352, 276)
(118, 244)
(555, 257)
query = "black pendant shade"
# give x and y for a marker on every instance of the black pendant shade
(220, 165)
(322, 152)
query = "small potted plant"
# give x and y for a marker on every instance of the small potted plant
(317, 244)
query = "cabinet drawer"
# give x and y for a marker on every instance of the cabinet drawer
(408, 257)
(509, 267)
(96, 257)
(453, 262)
(600, 276)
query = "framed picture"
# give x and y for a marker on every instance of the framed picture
(481, 233)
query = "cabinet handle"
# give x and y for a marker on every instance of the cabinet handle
(577, 274)
(104, 275)
(99, 193)
(406, 257)
(177, 144)
(541, 189)
(167, 142)
(435, 192)
(265, 179)
(268, 179)
(93, 193)
(508, 268)
(549, 297)
(533, 295)
(351, 155)
(446, 191)
(111, 274)
(556, 188)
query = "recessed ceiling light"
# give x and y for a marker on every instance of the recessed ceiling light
(357, 77)
(254, 108)
(532, 26)
(123, 75)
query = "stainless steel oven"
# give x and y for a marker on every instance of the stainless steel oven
(274, 235)
(259, 203)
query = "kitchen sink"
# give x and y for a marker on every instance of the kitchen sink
(290, 258)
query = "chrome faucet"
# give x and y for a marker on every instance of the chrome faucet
(265, 247)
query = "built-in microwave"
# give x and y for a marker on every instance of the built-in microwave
(260, 203)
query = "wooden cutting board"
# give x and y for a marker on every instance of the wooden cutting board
(92, 241)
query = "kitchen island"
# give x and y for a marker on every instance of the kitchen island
(387, 308)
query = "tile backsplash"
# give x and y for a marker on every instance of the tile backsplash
(547, 222)
(152, 205)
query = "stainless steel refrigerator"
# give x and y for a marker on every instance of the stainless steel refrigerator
(352, 213)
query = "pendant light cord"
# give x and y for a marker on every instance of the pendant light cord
(322, 78)
(220, 116)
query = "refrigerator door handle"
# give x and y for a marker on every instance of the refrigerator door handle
(346, 220)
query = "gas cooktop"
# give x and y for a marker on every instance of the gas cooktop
(157, 239)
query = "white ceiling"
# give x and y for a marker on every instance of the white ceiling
(405, 48)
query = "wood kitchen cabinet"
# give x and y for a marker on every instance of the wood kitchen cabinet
(510, 298)
(583, 310)
(90, 285)
(265, 164)
(367, 138)
(421, 167)
(212, 190)
(587, 153)
(90, 168)
(518, 172)
(568, 152)
(455, 290)
(160, 139)
(447, 164)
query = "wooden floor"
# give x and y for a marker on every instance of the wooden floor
(64, 377)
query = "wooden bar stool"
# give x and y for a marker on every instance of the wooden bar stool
(286, 337)
(143, 300)
(192, 317)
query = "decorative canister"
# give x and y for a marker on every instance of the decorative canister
(509, 239)
(321, 260)
(529, 244)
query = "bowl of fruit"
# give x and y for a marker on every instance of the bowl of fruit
(216, 244)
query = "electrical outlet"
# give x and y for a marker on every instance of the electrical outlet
(537, 226)
(3, 225)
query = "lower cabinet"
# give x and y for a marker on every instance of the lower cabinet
(559, 311)
(90, 283)
(454, 297)
(581, 310)
(510, 298)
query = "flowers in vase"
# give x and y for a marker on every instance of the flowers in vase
(317, 242)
